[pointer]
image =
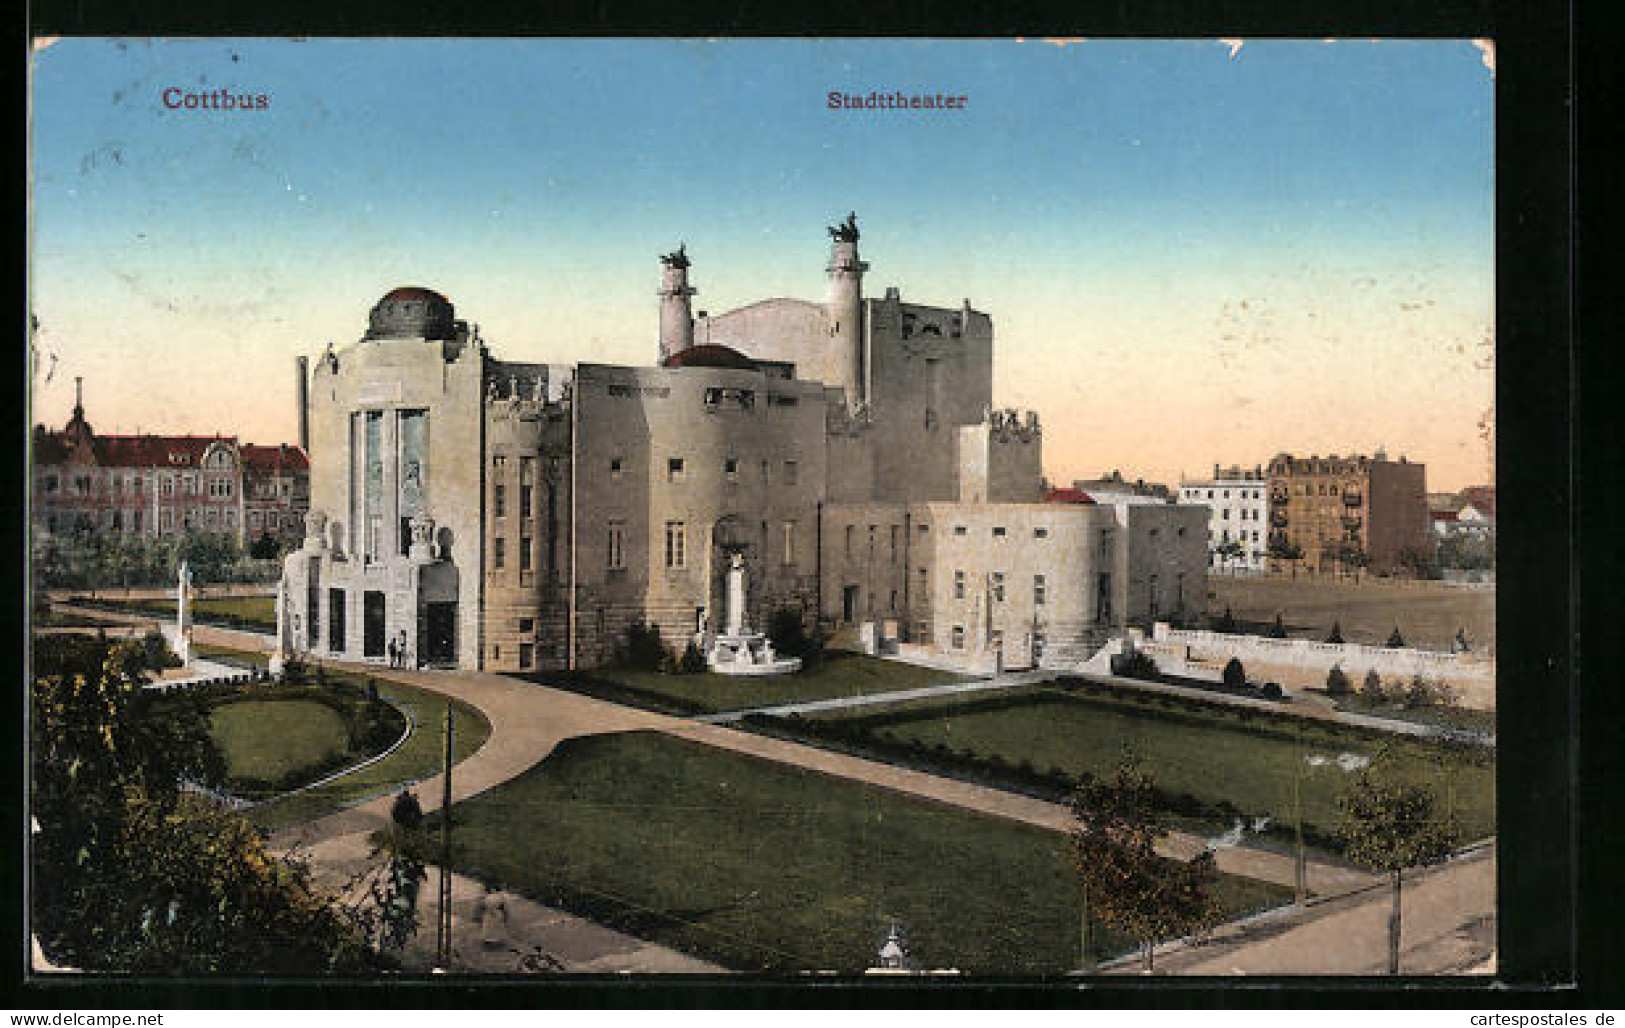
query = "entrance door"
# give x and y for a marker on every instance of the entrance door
(440, 633)
(372, 623)
(849, 603)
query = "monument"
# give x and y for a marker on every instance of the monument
(279, 655)
(179, 635)
(738, 651)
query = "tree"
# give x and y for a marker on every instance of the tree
(265, 547)
(1226, 624)
(132, 871)
(1228, 551)
(1136, 664)
(1337, 682)
(1390, 824)
(406, 811)
(787, 632)
(1278, 630)
(1395, 640)
(1125, 884)
(1235, 676)
(1336, 636)
(692, 661)
(1371, 687)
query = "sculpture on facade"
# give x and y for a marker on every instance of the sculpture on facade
(676, 259)
(847, 231)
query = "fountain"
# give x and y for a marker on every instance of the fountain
(736, 650)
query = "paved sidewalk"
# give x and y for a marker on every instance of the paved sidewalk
(1447, 927)
(994, 684)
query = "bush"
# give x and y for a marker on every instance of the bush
(644, 649)
(692, 661)
(156, 654)
(787, 632)
(406, 811)
(1235, 676)
(1337, 683)
(1371, 688)
(1395, 640)
(1337, 633)
(1270, 691)
(1136, 664)
(1277, 630)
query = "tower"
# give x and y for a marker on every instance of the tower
(845, 310)
(676, 318)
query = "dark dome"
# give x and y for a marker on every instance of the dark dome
(710, 356)
(411, 312)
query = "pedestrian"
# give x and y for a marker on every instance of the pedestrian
(401, 649)
(392, 653)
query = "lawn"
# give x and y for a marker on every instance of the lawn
(836, 673)
(1213, 762)
(765, 867)
(419, 757)
(255, 612)
(1427, 613)
(270, 739)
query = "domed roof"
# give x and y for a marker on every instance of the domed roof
(411, 312)
(708, 355)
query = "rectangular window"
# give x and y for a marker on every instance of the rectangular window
(527, 470)
(524, 553)
(525, 500)
(499, 553)
(1038, 590)
(50, 483)
(1041, 533)
(959, 585)
(998, 531)
(168, 486)
(615, 466)
(674, 469)
(676, 545)
(136, 520)
(998, 587)
(1224, 515)
(499, 462)
(792, 471)
(335, 620)
(231, 519)
(527, 654)
(166, 519)
(730, 469)
(959, 637)
(959, 530)
(894, 544)
(617, 545)
(849, 531)
(789, 542)
(499, 500)
(253, 519)
(272, 520)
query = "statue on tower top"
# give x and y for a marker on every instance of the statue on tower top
(847, 231)
(677, 259)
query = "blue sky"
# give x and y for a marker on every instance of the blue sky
(1111, 203)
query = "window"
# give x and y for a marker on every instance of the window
(527, 654)
(1041, 533)
(1210, 494)
(998, 531)
(166, 520)
(959, 637)
(1180, 531)
(894, 544)
(615, 466)
(524, 553)
(925, 578)
(730, 469)
(496, 651)
(118, 519)
(499, 553)
(50, 483)
(617, 545)
(1227, 494)
(676, 539)
(925, 529)
(791, 472)
(849, 531)
(789, 529)
(893, 600)
(231, 519)
(135, 520)
(253, 519)
(1153, 598)
(527, 470)
(527, 626)
(998, 587)
(499, 500)
(959, 584)
(1224, 515)
(168, 486)
(674, 469)
(1038, 590)
(499, 462)
(959, 530)
(525, 492)
(189, 483)
(272, 520)
(210, 517)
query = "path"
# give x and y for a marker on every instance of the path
(1004, 681)
(1447, 927)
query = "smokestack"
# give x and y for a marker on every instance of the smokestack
(302, 393)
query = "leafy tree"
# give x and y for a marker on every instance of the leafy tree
(1226, 624)
(133, 872)
(406, 811)
(1228, 551)
(1395, 640)
(1281, 549)
(1136, 664)
(693, 661)
(1336, 636)
(1337, 682)
(1126, 885)
(644, 649)
(266, 547)
(1235, 676)
(787, 632)
(1390, 824)
(1278, 629)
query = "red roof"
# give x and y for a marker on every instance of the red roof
(273, 458)
(1442, 515)
(708, 355)
(1067, 494)
(155, 451)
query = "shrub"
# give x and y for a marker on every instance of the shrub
(1277, 630)
(1136, 664)
(693, 661)
(1395, 640)
(1337, 683)
(1371, 688)
(1226, 624)
(787, 632)
(1235, 676)
(1337, 633)
(1270, 691)
(644, 650)
(155, 652)
(406, 811)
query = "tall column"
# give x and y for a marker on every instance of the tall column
(676, 316)
(844, 311)
(736, 596)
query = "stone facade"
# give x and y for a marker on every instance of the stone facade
(1340, 513)
(1238, 505)
(525, 516)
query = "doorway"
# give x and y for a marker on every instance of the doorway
(440, 633)
(372, 624)
(849, 603)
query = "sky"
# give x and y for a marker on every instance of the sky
(1193, 252)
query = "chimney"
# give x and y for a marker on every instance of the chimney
(302, 394)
